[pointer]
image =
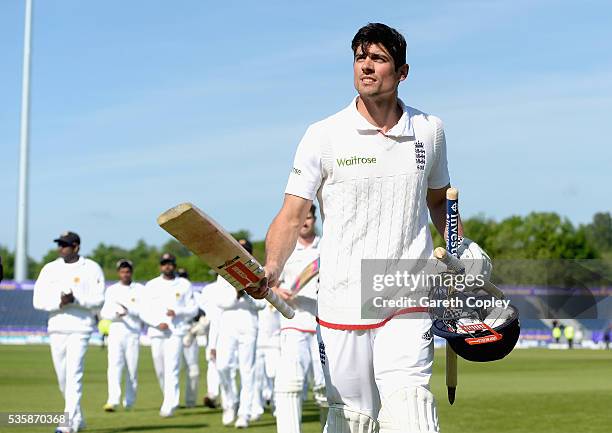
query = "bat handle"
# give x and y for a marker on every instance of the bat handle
(452, 246)
(280, 304)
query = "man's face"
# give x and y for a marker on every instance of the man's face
(308, 229)
(374, 72)
(167, 268)
(125, 275)
(67, 250)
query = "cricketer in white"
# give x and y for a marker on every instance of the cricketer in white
(122, 303)
(207, 301)
(168, 308)
(267, 355)
(191, 356)
(299, 347)
(233, 341)
(71, 289)
(376, 168)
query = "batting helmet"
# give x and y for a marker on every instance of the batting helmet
(478, 330)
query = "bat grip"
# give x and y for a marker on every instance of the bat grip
(280, 304)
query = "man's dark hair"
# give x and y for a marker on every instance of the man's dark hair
(377, 33)
(246, 245)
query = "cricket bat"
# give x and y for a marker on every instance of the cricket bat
(218, 249)
(309, 272)
(452, 246)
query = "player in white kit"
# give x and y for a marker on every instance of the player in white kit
(71, 289)
(168, 309)
(191, 355)
(207, 301)
(236, 342)
(267, 354)
(121, 305)
(299, 347)
(378, 168)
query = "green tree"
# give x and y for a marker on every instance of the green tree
(8, 262)
(107, 256)
(176, 248)
(599, 231)
(146, 261)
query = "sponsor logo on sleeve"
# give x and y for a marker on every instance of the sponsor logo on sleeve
(296, 171)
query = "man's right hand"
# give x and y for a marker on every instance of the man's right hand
(260, 290)
(284, 294)
(162, 326)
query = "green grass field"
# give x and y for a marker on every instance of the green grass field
(530, 391)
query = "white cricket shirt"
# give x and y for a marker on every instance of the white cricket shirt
(86, 281)
(161, 295)
(372, 190)
(117, 300)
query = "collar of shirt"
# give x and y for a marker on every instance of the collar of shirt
(80, 262)
(403, 128)
(299, 246)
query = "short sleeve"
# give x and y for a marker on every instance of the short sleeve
(438, 175)
(306, 174)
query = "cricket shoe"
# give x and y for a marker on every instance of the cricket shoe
(165, 413)
(241, 422)
(109, 407)
(229, 415)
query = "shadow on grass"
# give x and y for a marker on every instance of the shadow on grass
(170, 427)
(199, 412)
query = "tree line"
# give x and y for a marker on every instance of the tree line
(539, 235)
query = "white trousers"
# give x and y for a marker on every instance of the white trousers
(68, 355)
(167, 353)
(157, 353)
(191, 358)
(316, 369)
(299, 358)
(212, 377)
(361, 368)
(123, 347)
(237, 345)
(266, 360)
(302, 349)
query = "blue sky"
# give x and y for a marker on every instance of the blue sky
(139, 105)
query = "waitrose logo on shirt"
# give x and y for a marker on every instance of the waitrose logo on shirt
(355, 160)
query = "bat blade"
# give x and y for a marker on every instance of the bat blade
(309, 272)
(203, 236)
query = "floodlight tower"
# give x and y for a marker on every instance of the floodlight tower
(21, 253)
